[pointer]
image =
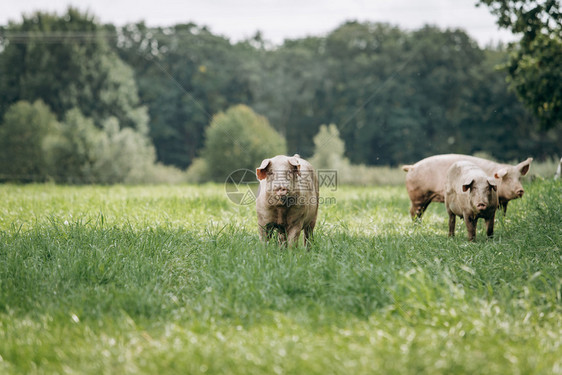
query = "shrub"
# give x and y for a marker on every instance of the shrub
(22, 141)
(122, 155)
(239, 138)
(71, 151)
(198, 171)
(82, 153)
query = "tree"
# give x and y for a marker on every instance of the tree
(287, 88)
(23, 152)
(237, 139)
(398, 95)
(185, 74)
(66, 62)
(534, 65)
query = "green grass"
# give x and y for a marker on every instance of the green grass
(162, 279)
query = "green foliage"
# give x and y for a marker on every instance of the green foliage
(534, 64)
(122, 155)
(81, 153)
(544, 169)
(286, 86)
(164, 279)
(329, 149)
(35, 147)
(185, 75)
(65, 61)
(397, 96)
(71, 154)
(23, 149)
(535, 75)
(239, 138)
(529, 17)
(198, 171)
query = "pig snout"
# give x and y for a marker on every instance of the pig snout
(520, 192)
(281, 191)
(481, 206)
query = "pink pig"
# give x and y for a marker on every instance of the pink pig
(470, 194)
(287, 198)
(425, 180)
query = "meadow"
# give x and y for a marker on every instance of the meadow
(173, 279)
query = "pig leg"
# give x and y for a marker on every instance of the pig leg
(503, 205)
(282, 236)
(452, 221)
(490, 226)
(293, 234)
(308, 234)
(266, 232)
(470, 226)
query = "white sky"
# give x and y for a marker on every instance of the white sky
(278, 19)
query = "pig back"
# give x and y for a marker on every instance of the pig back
(430, 174)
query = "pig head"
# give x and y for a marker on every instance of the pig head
(280, 175)
(287, 198)
(510, 184)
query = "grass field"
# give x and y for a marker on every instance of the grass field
(163, 280)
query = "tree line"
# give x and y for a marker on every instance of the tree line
(395, 96)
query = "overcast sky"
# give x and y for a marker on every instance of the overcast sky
(278, 19)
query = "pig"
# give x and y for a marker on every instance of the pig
(471, 194)
(287, 199)
(425, 180)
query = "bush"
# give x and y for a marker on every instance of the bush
(198, 172)
(122, 155)
(82, 153)
(22, 141)
(239, 138)
(164, 174)
(71, 152)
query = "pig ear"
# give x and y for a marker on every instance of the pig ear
(467, 186)
(493, 184)
(500, 174)
(295, 163)
(261, 172)
(524, 166)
